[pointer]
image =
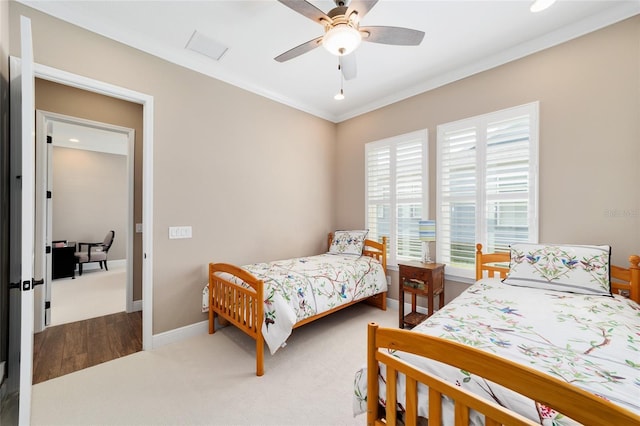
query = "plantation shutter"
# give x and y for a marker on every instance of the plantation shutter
(396, 193)
(508, 182)
(378, 191)
(487, 185)
(456, 222)
(409, 176)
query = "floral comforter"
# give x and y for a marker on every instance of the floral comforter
(592, 342)
(296, 289)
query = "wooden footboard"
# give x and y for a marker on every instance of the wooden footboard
(242, 307)
(566, 399)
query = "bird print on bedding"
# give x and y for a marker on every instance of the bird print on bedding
(590, 341)
(296, 289)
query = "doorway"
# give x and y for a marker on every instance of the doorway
(139, 306)
(86, 169)
(90, 174)
(77, 96)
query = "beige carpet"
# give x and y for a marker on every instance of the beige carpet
(210, 380)
(94, 294)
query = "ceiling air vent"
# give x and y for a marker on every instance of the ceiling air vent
(206, 46)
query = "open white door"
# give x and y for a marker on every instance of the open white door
(22, 135)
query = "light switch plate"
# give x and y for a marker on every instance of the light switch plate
(176, 232)
(138, 228)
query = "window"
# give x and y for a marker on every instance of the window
(487, 185)
(396, 192)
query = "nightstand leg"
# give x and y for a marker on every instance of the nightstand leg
(401, 307)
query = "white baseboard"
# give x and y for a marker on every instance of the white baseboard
(395, 304)
(117, 263)
(178, 334)
(392, 303)
(135, 306)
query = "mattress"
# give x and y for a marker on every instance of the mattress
(592, 342)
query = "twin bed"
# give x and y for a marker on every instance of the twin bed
(268, 300)
(516, 352)
(547, 335)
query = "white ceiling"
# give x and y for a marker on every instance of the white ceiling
(462, 38)
(83, 136)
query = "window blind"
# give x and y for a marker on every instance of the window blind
(487, 185)
(396, 176)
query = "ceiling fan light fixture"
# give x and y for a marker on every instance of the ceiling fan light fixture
(339, 96)
(342, 39)
(540, 5)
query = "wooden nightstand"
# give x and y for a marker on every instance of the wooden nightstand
(419, 279)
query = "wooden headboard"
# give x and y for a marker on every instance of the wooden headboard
(491, 263)
(624, 281)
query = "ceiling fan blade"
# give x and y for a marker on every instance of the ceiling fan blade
(392, 35)
(361, 6)
(307, 9)
(348, 66)
(299, 50)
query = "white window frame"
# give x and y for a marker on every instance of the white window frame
(479, 123)
(392, 143)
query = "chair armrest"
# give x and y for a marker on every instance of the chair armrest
(89, 247)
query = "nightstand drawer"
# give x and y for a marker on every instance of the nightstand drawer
(414, 273)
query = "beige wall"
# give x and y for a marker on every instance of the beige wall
(589, 93)
(90, 197)
(54, 97)
(254, 178)
(260, 181)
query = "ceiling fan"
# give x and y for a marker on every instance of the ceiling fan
(343, 32)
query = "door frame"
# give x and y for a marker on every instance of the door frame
(44, 119)
(84, 83)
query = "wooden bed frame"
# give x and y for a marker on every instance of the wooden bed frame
(244, 307)
(564, 398)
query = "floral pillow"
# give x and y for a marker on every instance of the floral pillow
(570, 268)
(348, 242)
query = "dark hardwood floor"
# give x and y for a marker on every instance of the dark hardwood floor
(63, 349)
